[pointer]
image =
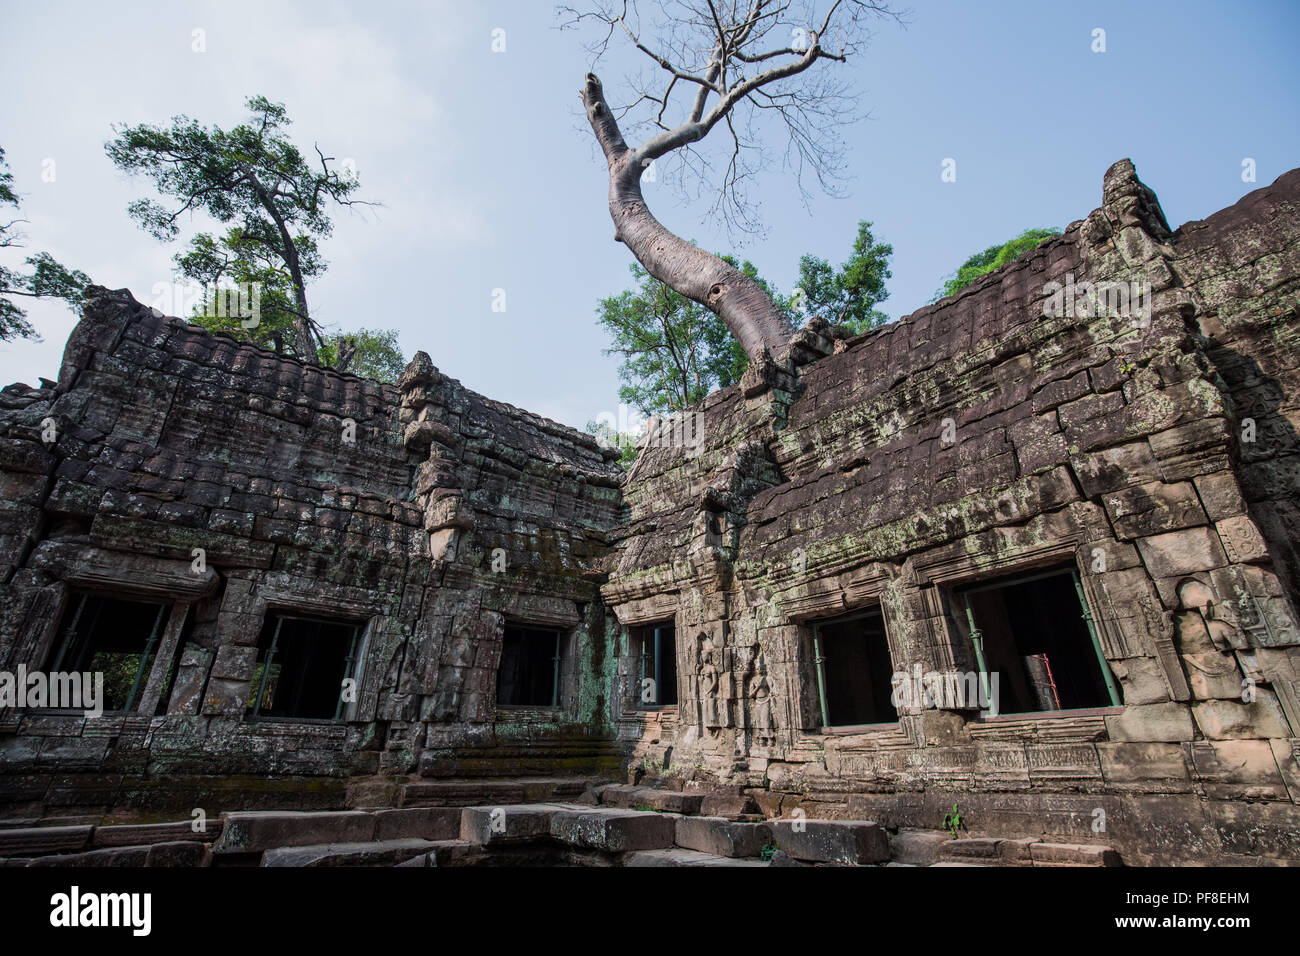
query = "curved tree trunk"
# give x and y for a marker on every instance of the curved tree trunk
(738, 300)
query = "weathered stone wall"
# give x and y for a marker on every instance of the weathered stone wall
(978, 437)
(308, 491)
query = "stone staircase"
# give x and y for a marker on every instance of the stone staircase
(604, 825)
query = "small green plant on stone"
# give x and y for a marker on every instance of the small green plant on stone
(766, 853)
(952, 822)
(1126, 367)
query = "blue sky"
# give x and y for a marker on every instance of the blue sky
(490, 178)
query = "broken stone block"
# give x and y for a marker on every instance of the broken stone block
(851, 842)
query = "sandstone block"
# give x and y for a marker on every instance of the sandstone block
(1169, 722)
(720, 837)
(1182, 552)
(917, 847)
(1073, 854)
(488, 825)
(614, 831)
(258, 831)
(853, 842)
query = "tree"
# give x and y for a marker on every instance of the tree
(48, 278)
(675, 351)
(994, 257)
(753, 59)
(274, 203)
(848, 297)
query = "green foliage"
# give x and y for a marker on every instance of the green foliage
(624, 442)
(767, 851)
(952, 822)
(848, 297)
(994, 257)
(48, 279)
(377, 354)
(274, 205)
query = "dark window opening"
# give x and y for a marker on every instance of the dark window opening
(530, 667)
(302, 666)
(655, 648)
(854, 671)
(114, 637)
(1034, 632)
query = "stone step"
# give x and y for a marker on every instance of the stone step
(1073, 854)
(994, 851)
(257, 831)
(376, 853)
(631, 797)
(917, 847)
(718, 836)
(848, 842)
(677, 856)
(991, 851)
(514, 823)
(181, 853)
(614, 830)
(139, 834)
(30, 841)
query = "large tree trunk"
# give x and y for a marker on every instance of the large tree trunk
(738, 300)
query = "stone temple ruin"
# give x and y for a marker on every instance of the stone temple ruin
(1033, 551)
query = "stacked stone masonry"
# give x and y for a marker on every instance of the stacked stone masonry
(1151, 457)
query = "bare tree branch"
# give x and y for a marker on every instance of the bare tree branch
(761, 63)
